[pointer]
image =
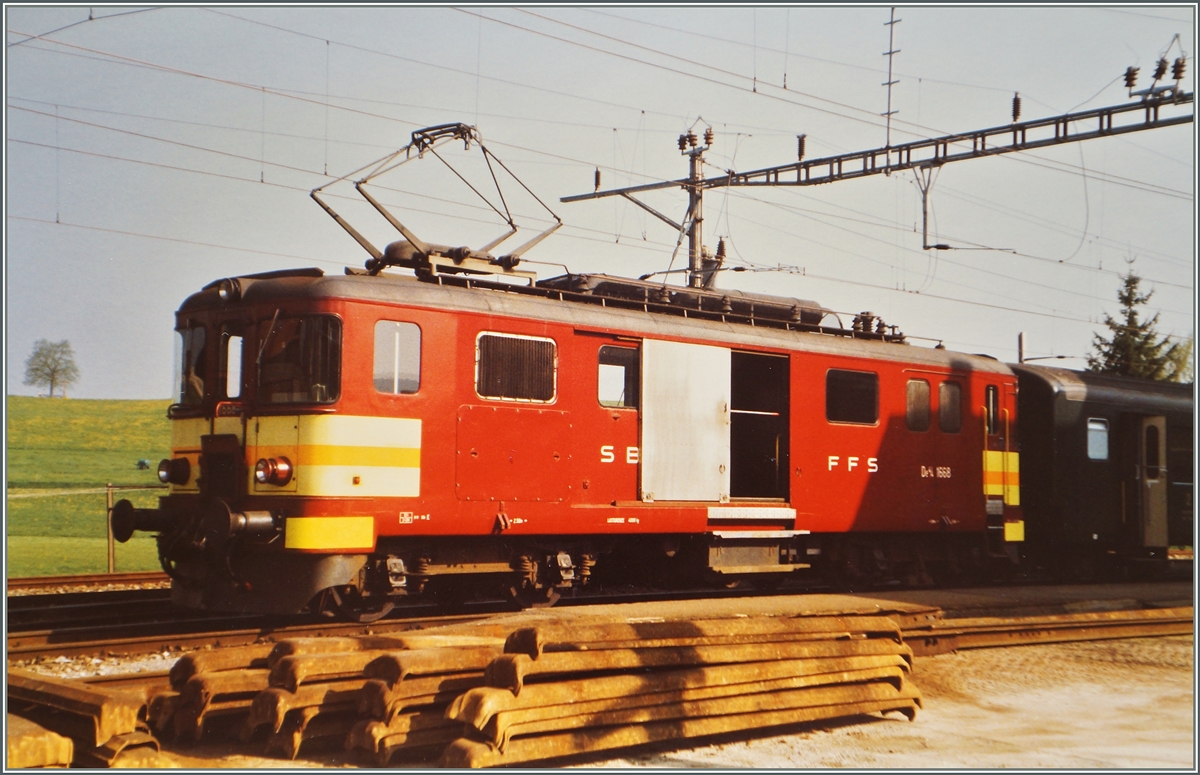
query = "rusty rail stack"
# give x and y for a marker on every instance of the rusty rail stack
(565, 690)
(60, 719)
(311, 691)
(495, 694)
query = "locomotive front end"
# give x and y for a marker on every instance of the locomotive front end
(254, 434)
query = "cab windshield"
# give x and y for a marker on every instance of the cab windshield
(299, 359)
(194, 367)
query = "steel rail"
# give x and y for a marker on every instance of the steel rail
(970, 633)
(43, 643)
(86, 580)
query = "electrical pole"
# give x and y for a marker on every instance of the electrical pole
(696, 204)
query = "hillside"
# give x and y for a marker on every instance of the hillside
(61, 453)
(65, 443)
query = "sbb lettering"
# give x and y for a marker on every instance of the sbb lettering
(608, 454)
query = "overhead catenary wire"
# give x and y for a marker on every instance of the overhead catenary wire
(261, 160)
(1022, 160)
(314, 172)
(414, 124)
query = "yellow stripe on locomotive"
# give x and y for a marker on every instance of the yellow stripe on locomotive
(340, 456)
(329, 533)
(1002, 476)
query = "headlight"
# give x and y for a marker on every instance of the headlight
(229, 290)
(174, 471)
(273, 470)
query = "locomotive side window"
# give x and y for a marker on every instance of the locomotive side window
(950, 407)
(299, 359)
(918, 405)
(397, 357)
(194, 366)
(852, 396)
(619, 378)
(515, 368)
(1097, 439)
(232, 357)
(992, 409)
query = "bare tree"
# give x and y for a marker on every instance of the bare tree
(52, 364)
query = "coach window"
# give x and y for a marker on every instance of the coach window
(515, 368)
(950, 407)
(852, 396)
(397, 357)
(619, 382)
(1097, 439)
(299, 359)
(992, 408)
(1153, 465)
(918, 405)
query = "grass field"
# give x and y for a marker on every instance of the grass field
(61, 453)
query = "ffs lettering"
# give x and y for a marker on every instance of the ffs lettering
(854, 463)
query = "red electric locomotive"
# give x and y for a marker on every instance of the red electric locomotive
(341, 441)
(358, 437)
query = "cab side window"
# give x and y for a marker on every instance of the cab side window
(397, 367)
(992, 407)
(619, 379)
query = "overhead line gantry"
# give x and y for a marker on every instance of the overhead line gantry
(921, 155)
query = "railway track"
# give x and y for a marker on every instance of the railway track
(635, 680)
(36, 584)
(143, 621)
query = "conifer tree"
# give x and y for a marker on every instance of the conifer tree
(1134, 348)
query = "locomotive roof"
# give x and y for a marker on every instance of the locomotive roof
(1145, 394)
(596, 316)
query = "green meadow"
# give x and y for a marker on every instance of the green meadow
(60, 455)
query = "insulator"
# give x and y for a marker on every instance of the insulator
(708, 136)
(800, 146)
(683, 142)
(1160, 69)
(1131, 74)
(721, 248)
(1016, 107)
(1178, 67)
(597, 178)
(691, 138)
(421, 566)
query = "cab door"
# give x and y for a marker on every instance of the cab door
(1152, 467)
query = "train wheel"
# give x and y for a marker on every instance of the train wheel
(768, 582)
(525, 596)
(350, 605)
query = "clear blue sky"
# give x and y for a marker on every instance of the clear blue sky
(150, 151)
